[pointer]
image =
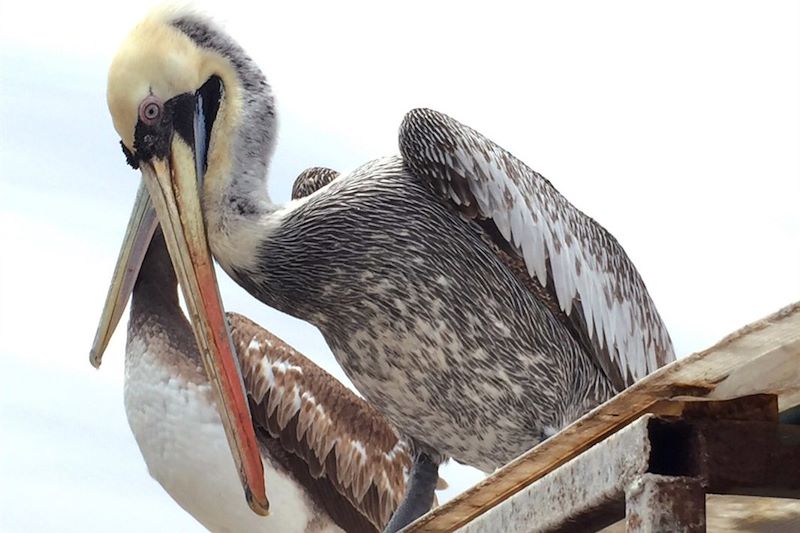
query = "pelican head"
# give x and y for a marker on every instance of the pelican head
(175, 96)
(180, 82)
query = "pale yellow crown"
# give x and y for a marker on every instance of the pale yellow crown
(156, 58)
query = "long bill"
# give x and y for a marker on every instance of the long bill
(137, 239)
(173, 186)
(170, 186)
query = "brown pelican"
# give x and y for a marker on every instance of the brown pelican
(463, 295)
(332, 463)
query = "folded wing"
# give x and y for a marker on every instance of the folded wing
(565, 258)
(354, 462)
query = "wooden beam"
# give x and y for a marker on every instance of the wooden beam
(586, 491)
(763, 357)
(655, 503)
(711, 445)
(676, 460)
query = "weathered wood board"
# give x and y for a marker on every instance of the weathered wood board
(763, 357)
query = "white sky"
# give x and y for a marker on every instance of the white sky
(676, 125)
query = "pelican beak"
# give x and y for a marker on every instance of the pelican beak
(173, 184)
(140, 230)
(173, 197)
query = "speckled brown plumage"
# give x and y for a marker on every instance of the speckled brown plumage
(336, 433)
(348, 458)
(311, 180)
(469, 301)
(569, 261)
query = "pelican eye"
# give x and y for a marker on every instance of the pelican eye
(150, 110)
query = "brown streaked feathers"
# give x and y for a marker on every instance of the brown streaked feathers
(569, 261)
(311, 180)
(334, 432)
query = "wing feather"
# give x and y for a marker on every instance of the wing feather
(325, 425)
(600, 295)
(311, 180)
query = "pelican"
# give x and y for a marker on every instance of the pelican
(332, 463)
(463, 295)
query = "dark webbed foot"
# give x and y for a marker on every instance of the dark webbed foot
(419, 493)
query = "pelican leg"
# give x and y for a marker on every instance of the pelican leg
(419, 493)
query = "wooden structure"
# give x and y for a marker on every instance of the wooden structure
(707, 423)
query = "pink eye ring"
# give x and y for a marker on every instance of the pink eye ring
(150, 110)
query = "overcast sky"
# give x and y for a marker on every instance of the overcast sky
(676, 125)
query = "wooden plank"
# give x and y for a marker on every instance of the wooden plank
(763, 357)
(723, 455)
(662, 503)
(585, 491)
(744, 513)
